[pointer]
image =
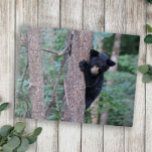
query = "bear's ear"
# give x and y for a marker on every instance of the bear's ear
(93, 53)
(110, 62)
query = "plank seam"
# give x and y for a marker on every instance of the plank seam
(15, 46)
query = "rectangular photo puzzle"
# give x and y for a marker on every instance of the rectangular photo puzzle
(76, 76)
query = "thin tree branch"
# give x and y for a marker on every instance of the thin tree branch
(65, 52)
(55, 86)
(56, 53)
(22, 79)
(21, 89)
(28, 113)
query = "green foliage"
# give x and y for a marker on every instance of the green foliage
(147, 78)
(149, 28)
(129, 44)
(146, 70)
(108, 44)
(150, 1)
(148, 39)
(31, 139)
(12, 144)
(5, 130)
(12, 138)
(3, 106)
(128, 63)
(118, 98)
(23, 146)
(88, 118)
(37, 131)
(104, 40)
(19, 127)
(51, 66)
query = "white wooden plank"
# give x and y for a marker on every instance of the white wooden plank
(92, 138)
(115, 16)
(47, 141)
(30, 12)
(135, 24)
(26, 13)
(71, 14)
(93, 19)
(70, 133)
(148, 90)
(48, 16)
(93, 15)
(114, 22)
(7, 48)
(49, 13)
(69, 137)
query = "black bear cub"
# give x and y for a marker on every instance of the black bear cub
(94, 74)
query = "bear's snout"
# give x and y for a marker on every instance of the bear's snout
(95, 70)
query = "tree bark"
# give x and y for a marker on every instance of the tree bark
(36, 90)
(115, 52)
(114, 57)
(75, 84)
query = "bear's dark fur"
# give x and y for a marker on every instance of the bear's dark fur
(94, 74)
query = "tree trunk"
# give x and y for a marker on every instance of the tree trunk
(114, 57)
(35, 73)
(75, 84)
(115, 52)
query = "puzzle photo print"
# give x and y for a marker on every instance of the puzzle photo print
(76, 76)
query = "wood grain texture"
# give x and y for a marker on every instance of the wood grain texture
(7, 50)
(135, 24)
(92, 138)
(114, 22)
(69, 135)
(48, 16)
(26, 13)
(49, 13)
(148, 135)
(115, 16)
(93, 19)
(47, 141)
(118, 16)
(71, 14)
(93, 15)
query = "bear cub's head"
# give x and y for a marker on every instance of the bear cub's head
(99, 62)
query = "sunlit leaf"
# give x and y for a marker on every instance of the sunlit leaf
(5, 130)
(148, 39)
(144, 68)
(147, 78)
(31, 139)
(19, 127)
(24, 145)
(12, 144)
(3, 106)
(149, 28)
(37, 131)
